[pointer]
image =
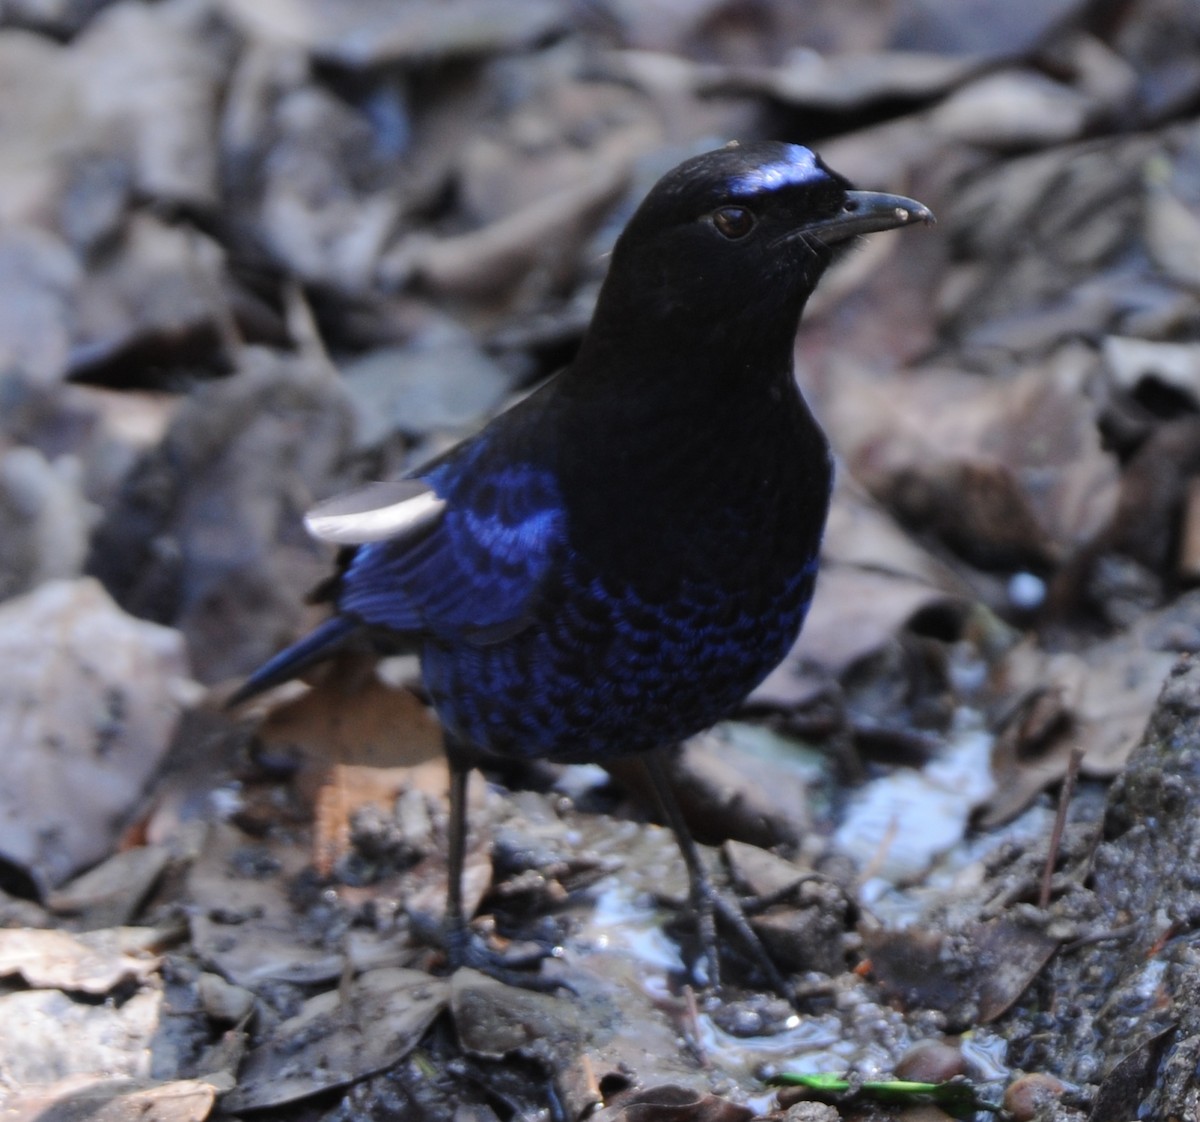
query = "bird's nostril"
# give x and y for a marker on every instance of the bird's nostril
(850, 206)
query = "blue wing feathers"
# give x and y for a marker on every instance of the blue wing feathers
(479, 570)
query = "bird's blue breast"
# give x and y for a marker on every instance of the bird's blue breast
(602, 672)
(533, 646)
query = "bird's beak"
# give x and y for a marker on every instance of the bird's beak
(866, 212)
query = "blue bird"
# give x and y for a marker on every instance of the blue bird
(613, 564)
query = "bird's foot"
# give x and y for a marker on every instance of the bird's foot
(715, 911)
(462, 946)
(708, 904)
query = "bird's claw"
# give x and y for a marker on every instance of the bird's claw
(714, 908)
(463, 946)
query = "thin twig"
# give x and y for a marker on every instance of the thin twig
(1060, 822)
(1113, 933)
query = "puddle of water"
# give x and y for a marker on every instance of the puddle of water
(621, 924)
(620, 938)
(898, 825)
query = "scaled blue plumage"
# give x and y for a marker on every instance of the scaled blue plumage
(475, 574)
(613, 564)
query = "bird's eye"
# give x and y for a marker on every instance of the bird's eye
(733, 222)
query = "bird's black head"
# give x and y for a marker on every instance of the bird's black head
(740, 236)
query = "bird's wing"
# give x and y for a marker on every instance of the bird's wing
(459, 554)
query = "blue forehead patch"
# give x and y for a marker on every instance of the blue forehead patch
(798, 165)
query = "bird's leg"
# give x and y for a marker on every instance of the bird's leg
(454, 927)
(701, 891)
(461, 945)
(709, 904)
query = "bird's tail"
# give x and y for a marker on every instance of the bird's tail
(319, 644)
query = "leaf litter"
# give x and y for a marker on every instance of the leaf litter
(225, 223)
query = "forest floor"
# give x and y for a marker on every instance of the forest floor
(252, 254)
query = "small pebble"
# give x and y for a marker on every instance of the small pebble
(745, 1022)
(223, 1001)
(1026, 591)
(931, 1061)
(755, 1016)
(1029, 1094)
(925, 1112)
(811, 1112)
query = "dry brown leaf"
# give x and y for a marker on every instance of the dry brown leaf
(889, 153)
(498, 1022)
(340, 1036)
(353, 717)
(37, 130)
(1046, 243)
(1145, 523)
(344, 789)
(1189, 537)
(500, 172)
(441, 380)
(206, 530)
(759, 872)
(150, 79)
(362, 743)
(847, 81)
(1015, 108)
(1011, 955)
(161, 285)
(671, 1103)
(111, 893)
(547, 233)
(243, 922)
(46, 1036)
(1130, 361)
(862, 533)
(363, 33)
(1172, 229)
(95, 962)
(39, 282)
(1032, 441)
(1099, 701)
(855, 612)
(874, 578)
(88, 703)
(135, 420)
(88, 1099)
(44, 520)
(619, 1031)
(1098, 69)
(972, 975)
(738, 781)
